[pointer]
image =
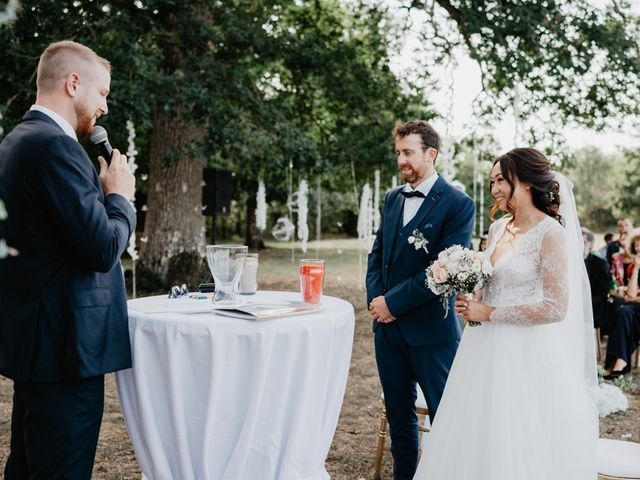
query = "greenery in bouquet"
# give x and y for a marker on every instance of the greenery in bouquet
(457, 270)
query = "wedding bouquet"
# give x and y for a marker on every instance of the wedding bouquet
(457, 270)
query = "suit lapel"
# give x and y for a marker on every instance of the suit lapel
(393, 225)
(427, 206)
(40, 116)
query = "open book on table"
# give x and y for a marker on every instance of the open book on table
(265, 311)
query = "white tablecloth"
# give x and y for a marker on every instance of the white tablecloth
(221, 398)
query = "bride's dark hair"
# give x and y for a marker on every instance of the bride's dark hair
(530, 166)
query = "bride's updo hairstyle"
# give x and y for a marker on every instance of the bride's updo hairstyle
(530, 166)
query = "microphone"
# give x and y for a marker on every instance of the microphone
(100, 139)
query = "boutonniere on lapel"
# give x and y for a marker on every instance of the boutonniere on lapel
(418, 241)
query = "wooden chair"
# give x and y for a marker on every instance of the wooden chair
(618, 460)
(421, 409)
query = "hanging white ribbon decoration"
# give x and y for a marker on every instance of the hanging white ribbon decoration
(365, 219)
(261, 207)
(131, 160)
(376, 201)
(303, 211)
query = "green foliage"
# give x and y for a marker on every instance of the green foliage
(599, 181)
(272, 81)
(580, 61)
(328, 96)
(625, 383)
(473, 160)
(630, 198)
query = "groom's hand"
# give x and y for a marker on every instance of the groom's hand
(380, 311)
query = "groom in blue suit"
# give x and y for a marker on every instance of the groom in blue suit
(415, 341)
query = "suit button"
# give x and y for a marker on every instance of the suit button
(386, 267)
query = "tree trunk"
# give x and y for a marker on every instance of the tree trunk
(174, 221)
(253, 237)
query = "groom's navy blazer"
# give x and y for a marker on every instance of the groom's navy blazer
(397, 270)
(63, 312)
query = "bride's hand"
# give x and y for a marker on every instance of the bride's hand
(470, 309)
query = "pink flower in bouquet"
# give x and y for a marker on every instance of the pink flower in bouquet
(440, 274)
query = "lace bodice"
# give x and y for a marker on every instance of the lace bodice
(529, 285)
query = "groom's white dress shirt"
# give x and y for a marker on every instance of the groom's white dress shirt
(64, 125)
(413, 204)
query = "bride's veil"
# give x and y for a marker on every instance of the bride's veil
(578, 323)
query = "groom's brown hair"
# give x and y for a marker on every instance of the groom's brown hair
(428, 136)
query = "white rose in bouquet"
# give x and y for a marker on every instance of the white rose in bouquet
(456, 256)
(453, 268)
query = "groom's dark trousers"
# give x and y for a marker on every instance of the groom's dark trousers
(420, 345)
(63, 312)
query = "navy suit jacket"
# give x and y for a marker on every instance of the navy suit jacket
(397, 270)
(600, 282)
(63, 312)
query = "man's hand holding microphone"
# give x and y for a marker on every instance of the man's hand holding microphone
(116, 175)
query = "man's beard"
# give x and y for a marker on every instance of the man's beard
(84, 126)
(409, 177)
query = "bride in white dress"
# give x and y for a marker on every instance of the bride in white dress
(519, 403)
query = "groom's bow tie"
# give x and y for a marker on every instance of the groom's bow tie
(415, 193)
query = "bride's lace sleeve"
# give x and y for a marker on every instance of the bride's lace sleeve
(555, 288)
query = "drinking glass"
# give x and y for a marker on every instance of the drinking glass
(311, 279)
(226, 263)
(249, 277)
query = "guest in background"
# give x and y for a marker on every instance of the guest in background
(625, 327)
(602, 252)
(482, 246)
(599, 279)
(624, 227)
(621, 261)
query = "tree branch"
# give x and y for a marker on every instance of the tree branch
(457, 17)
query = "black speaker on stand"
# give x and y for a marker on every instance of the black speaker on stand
(217, 190)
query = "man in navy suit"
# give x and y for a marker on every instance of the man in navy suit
(414, 340)
(599, 280)
(63, 314)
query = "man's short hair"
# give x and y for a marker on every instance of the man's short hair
(428, 135)
(608, 237)
(62, 58)
(588, 234)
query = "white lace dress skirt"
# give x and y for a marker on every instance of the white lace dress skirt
(512, 410)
